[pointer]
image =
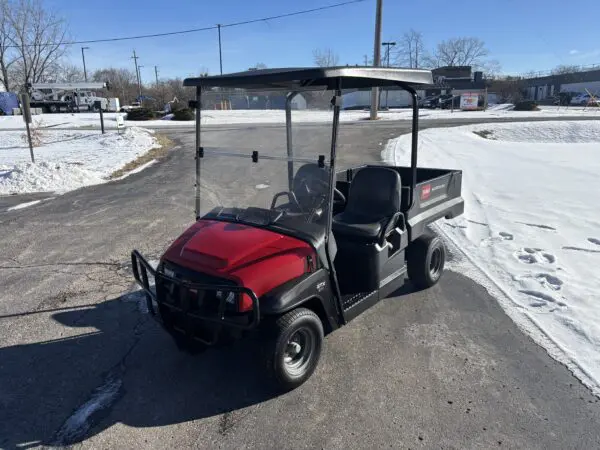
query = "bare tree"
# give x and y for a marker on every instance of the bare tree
(69, 73)
(509, 88)
(325, 57)
(39, 38)
(411, 50)
(123, 82)
(461, 51)
(174, 89)
(565, 69)
(7, 53)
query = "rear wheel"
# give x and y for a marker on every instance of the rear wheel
(293, 347)
(425, 261)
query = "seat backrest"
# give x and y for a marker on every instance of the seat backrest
(375, 192)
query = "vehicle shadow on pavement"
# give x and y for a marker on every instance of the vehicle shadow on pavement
(59, 392)
(121, 368)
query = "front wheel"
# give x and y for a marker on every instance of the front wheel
(425, 261)
(293, 347)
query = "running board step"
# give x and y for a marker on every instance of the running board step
(351, 300)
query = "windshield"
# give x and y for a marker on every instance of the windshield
(247, 177)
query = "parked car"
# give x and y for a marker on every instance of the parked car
(134, 105)
(449, 101)
(564, 98)
(584, 99)
(430, 102)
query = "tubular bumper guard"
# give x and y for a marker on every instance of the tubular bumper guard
(141, 272)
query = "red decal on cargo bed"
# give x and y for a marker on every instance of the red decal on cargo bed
(425, 192)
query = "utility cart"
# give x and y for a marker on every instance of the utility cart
(285, 247)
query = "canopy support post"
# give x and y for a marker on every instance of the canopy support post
(288, 136)
(198, 151)
(337, 106)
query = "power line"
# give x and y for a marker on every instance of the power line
(196, 30)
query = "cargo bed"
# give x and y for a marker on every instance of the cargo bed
(437, 194)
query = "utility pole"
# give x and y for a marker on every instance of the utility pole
(220, 54)
(83, 57)
(376, 58)
(387, 54)
(156, 74)
(137, 73)
(366, 61)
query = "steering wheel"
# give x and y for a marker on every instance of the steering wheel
(304, 183)
(291, 198)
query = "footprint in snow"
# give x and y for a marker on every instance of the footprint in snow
(537, 225)
(545, 279)
(528, 255)
(551, 281)
(455, 226)
(502, 236)
(541, 300)
(580, 249)
(477, 223)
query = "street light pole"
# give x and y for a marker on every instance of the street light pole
(387, 54)
(376, 58)
(220, 54)
(83, 57)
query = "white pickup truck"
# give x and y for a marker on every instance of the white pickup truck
(134, 105)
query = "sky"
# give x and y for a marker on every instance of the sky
(523, 35)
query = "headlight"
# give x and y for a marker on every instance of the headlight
(230, 297)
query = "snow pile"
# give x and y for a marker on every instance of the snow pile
(67, 160)
(556, 132)
(240, 116)
(531, 225)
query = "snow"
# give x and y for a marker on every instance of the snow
(216, 117)
(531, 228)
(67, 160)
(23, 205)
(76, 426)
(138, 169)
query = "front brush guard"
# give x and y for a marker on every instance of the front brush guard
(192, 319)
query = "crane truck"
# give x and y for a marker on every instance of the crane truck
(58, 97)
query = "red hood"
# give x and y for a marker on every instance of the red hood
(257, 258)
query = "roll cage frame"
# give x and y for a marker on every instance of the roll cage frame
(296, 80)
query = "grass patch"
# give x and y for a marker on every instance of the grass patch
(486, 134)
(154, 153)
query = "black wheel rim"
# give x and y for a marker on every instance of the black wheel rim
(435, 265)
(299, 351)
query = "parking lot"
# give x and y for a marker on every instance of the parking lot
(81, 363)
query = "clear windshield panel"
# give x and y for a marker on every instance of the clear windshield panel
(247, 175)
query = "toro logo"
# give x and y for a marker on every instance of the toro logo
(425, 192)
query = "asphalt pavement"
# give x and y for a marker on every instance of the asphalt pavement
(82, 364)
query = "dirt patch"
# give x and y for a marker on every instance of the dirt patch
(155, 153)
(486, 134)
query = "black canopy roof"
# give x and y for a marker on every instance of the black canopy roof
(303, 78)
